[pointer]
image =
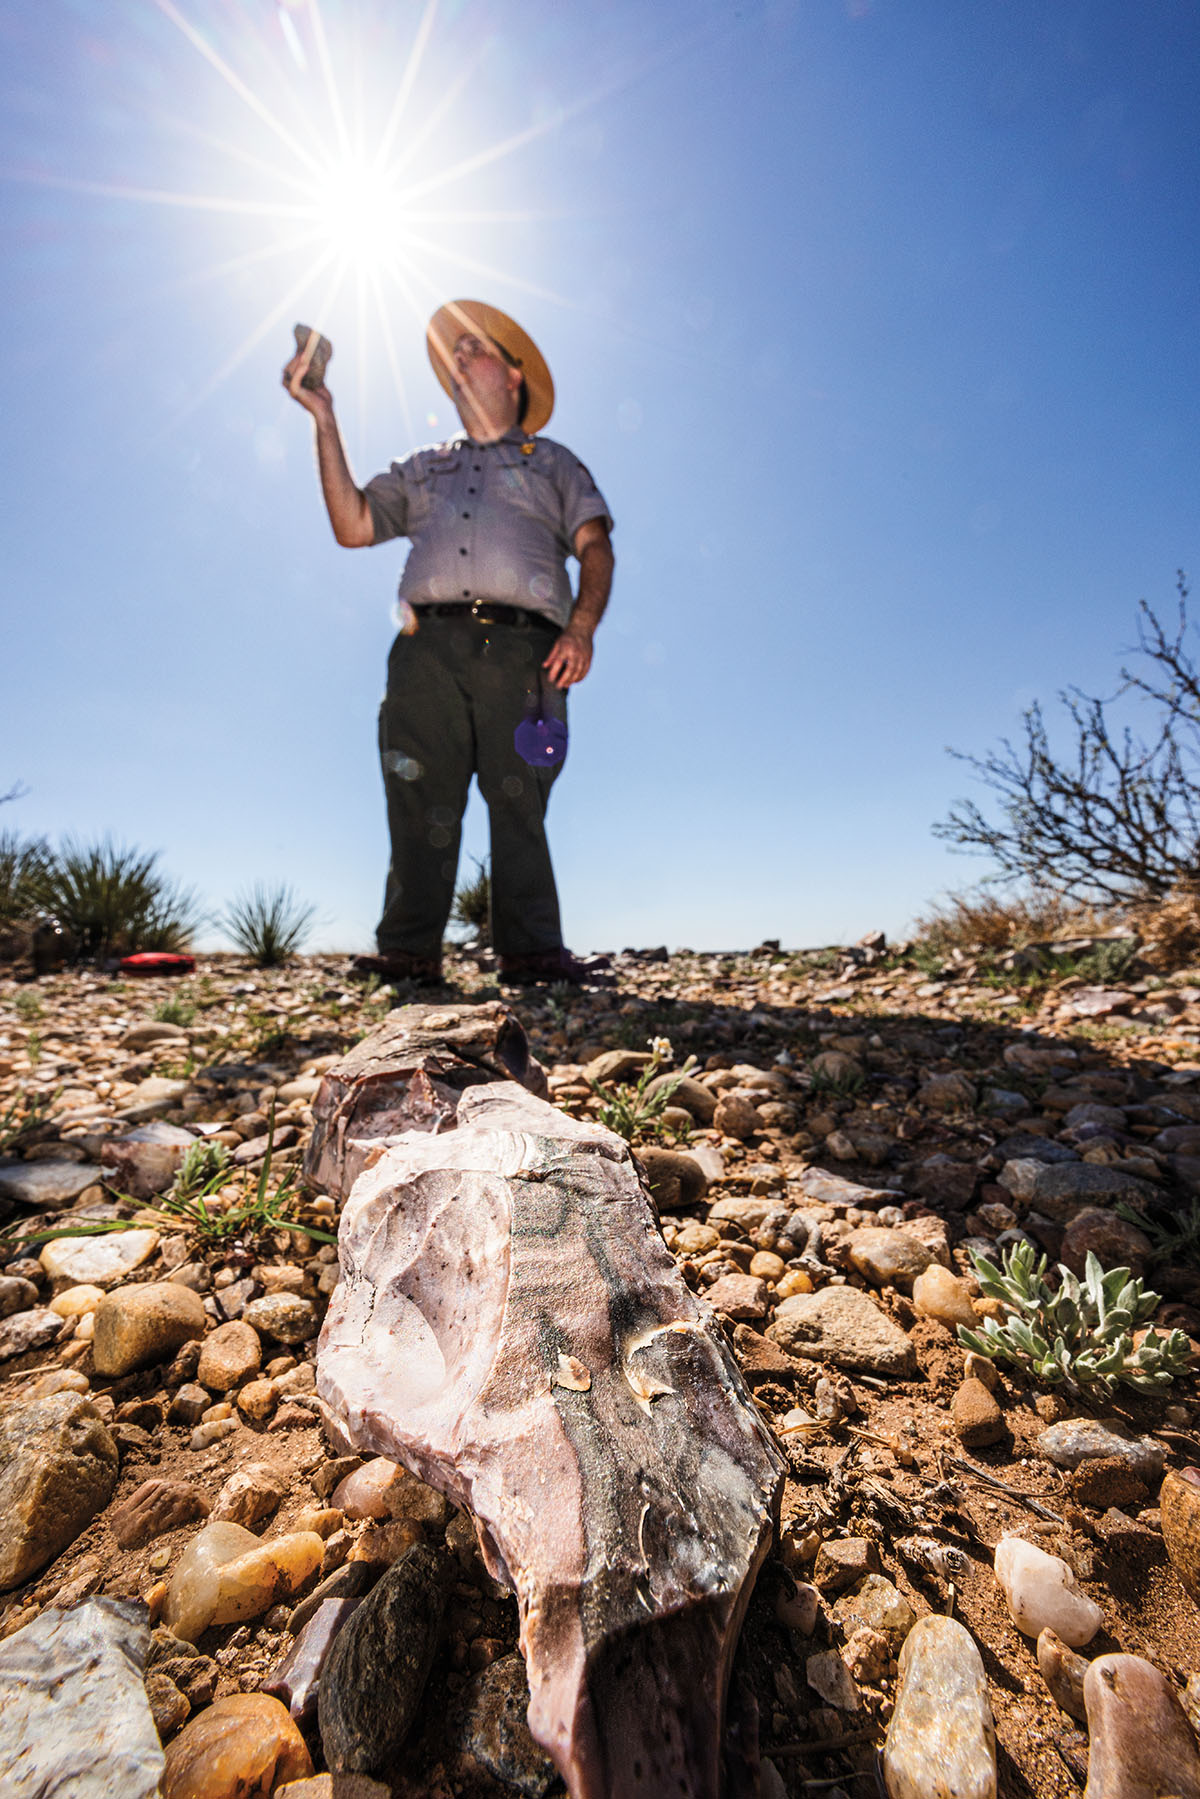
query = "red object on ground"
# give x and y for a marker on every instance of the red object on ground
(157, 962)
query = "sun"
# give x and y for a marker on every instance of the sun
(339, 175)
(357, 214)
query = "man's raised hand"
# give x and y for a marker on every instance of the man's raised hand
(317, 400)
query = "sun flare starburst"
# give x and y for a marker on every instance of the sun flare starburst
(358, 215)
(326, 152)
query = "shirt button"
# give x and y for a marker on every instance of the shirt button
(470, 490)
(466, 593)
(462, 552)
(477, 467)
(466, 515)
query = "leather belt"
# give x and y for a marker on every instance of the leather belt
(485, 613)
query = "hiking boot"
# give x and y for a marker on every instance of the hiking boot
(399, 966)
(548, 967)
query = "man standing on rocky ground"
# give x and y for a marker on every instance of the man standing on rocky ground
(490, 639)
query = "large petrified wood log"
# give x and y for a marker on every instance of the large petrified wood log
(408, 1076)
(510, 1326)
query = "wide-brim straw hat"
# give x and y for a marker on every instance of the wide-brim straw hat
(456, 316)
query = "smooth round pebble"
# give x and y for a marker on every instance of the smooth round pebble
(228, 1355)
(285, 1316)
(241, 1745)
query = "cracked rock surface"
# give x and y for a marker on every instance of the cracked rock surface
(834, 1094)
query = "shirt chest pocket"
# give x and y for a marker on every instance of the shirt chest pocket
(435, 488)
(528, 485)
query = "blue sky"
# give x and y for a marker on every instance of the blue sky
(876, 323)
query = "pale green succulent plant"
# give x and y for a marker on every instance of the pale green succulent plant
(1079, 1333)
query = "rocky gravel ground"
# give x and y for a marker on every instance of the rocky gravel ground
(856, 1122)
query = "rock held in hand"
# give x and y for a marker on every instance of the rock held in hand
(138, 1326)
(941, 1743)
(243, 1744)
(1042, 1594)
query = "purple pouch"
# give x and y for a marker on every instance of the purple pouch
(542, 742)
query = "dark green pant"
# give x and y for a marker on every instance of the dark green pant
(456, 692)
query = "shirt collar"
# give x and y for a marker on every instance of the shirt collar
(515, 436)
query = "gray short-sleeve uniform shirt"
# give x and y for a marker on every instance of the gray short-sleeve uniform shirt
(488, 522)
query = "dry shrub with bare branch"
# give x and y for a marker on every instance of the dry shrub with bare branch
(983, 920)
(1116, 816)
(1169, 929)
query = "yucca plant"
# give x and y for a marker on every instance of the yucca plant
(472, 906)
(26, 877)
(1080, 1334)
(268, 923)
(114, 899)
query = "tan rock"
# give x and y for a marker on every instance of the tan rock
(953, 1092)
(836, 1067)
(76, 1301)
(242, 1745)
(257, 1400)
(138, 1326)
(845, 1327)
(675, 1179)
(226, 1575)
(696, 1240)
(251, 1495)
(154, 1507)
(736, 1115)
(1063, 1672)
(228, 1355)
(887, 1257)
(738, 1296)
(698, 1101)
(1140, 1741)
(939, 1294)
(843, 1562)
(978, 1420)
(58, 1469)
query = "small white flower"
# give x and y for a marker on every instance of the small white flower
(660, 1049)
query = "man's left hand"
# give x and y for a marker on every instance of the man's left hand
(570, 658)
